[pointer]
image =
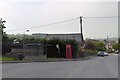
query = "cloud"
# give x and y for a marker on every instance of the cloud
(7, 11)
(30, 14)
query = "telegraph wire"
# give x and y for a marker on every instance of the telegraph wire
(61, 22)
(104, 17)
(45, 24)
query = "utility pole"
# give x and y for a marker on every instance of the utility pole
(1, 28)
(81, 29)
(24, 41)
(107, 39)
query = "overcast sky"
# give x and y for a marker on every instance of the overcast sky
(24, 14)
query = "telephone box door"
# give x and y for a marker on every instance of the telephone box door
(68, 51)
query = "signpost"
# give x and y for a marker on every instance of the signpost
(57, 46)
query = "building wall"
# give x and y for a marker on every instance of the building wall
(29, 53)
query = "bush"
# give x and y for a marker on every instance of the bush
(90, 45)
(93, 52)
(100, 46)
(88, 53)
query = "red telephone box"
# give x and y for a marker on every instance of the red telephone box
(68, 51)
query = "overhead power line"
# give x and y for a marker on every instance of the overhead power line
(103, 17)
(46, 24)
(61, 22)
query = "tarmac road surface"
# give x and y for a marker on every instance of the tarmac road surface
(98, 67)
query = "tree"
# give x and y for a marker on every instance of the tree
(119, 44)
(100, 46)
(4, 40)
(116, 46)
(90, 45)
(2, 27)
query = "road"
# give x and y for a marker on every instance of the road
(98, 67)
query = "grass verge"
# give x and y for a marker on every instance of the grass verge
(7, 59)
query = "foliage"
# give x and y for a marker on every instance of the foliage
(4, 35)
(75, 47)
(119, 44)
(88, 52)
(91, 52)
(7, 59)
(116, 46)
(90, 45)
(62, 42)
(100, 46)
